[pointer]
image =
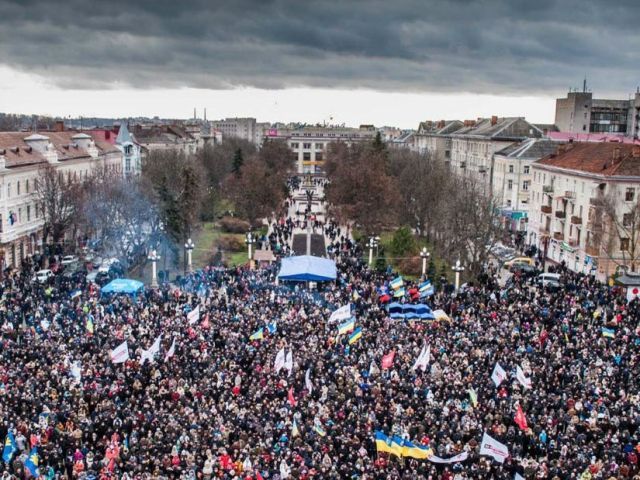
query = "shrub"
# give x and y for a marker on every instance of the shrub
(231, 243)
(234, 225)
(411, 266)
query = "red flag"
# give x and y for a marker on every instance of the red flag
(387, 360)
(520, 419)
(205, 322)
(290, 398)
(258, 476)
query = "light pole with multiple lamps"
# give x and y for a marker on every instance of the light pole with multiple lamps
(373, 243)
(189, 246)
(250, 240)
(458, 268)
(154, 257)
(424, 254)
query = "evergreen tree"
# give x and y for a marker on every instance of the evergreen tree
(238, 161)
(378, 144)
(381, 261)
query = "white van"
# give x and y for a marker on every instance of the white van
(549, 280)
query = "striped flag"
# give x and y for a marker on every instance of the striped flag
(396, 283)
(355, 336)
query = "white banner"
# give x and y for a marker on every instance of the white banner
(120, 354)
(461, 457)
(288, 363)
(493, 448)
(498, 375)
(279, 363)
(194, 315)
(526, 382)
(307, 381)
(423, 359)
(172, 351)
(149, 354)
(343, 313)
(632, 292)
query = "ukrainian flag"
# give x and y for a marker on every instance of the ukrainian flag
(319, 430)
(388, 444)
(32, 462)
(259, 335)
(10, 447)
(347, 326)
(424, 286)
(415, 451)
(396, 283)
(355, 336)
(399, 293)
(89, 326)
(608, 332)
(295, 432)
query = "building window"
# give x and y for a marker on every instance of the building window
(295, 145)
(525, 185)
(510, 185)
(526, 169)
(627, 219)
(318, 156)
(306, 146)
(306, 156)
(624, 244)
(127, 166)
(9, 190)
(28, 213)
(510, 168)
(18, 188)
(629, 194)
(319, 146)
(128, 149)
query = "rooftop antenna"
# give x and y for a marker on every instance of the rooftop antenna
(584, 84)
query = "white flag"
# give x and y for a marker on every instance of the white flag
(423, 359)
(493, 448)
(76, 370)
(288, 363)
(461, 457)
(526, 382)
(172, 351)
(149, 354)
(307, 381)
(343, 313)
(498, 375)
(280, 357)
(120, 354)
(632, 292)
(194, 315)
(373, 369)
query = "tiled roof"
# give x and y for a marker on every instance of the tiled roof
(618, 159)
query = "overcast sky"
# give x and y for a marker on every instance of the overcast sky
(382, 62)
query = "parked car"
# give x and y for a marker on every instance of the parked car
(69, 259)
(549, 280)
(100, 278)
(43, 276)
(524, 269)
(518, 260)
(74, 271)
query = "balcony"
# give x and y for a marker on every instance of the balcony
(547, 189)
(570, 195)
(546, 209)
(561, 214)
(592, 250)
(575, 220)
(558, 236)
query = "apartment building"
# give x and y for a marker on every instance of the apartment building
(583, 204)
(309, 144)
(434, 138)
(473, 146)
(22, 154)
(579, 112)
(245, 128)
(120, 138)
(164, 137)
(513, 178)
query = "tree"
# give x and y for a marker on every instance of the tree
(60, 200)
(403, 242)
(237, 162)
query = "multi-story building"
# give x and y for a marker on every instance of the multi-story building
(581, 113)
(164, 137)
(434, 138)
(582, 199)
(473, 146)
(120, 138)
(22, 155)
(309, 144)
(512, 178)
(245, 128)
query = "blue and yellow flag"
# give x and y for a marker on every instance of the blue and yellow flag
(388, 444)
(272, 327)
(347, 326)
(355, 336)
(259, 335)
(399, 293)
(396, 283)
(608, 332)
(89, 326)
(32, 462)
(415, 451)
(295, 432)
(10, 447)
(319, 430)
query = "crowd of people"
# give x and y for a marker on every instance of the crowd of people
(214, 402)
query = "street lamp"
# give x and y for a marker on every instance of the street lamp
(189, 246)
(250, 240)
(154, 257)
(373, 243)
(425, 256)
(458, 268)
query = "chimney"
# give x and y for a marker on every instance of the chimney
(636, 151)
(616, 154)
(494, 120)
(59, 126)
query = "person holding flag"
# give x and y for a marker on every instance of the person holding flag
(10, 447)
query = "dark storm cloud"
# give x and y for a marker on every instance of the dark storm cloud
(501, 46)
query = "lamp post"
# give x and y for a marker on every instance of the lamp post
(250, 240)
(425, 256)
(373, 243)
(458, 268)
(154, 257)
(189, 246)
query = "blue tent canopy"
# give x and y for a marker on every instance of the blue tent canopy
(307, 268)
(122, 285)
(409, 311)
